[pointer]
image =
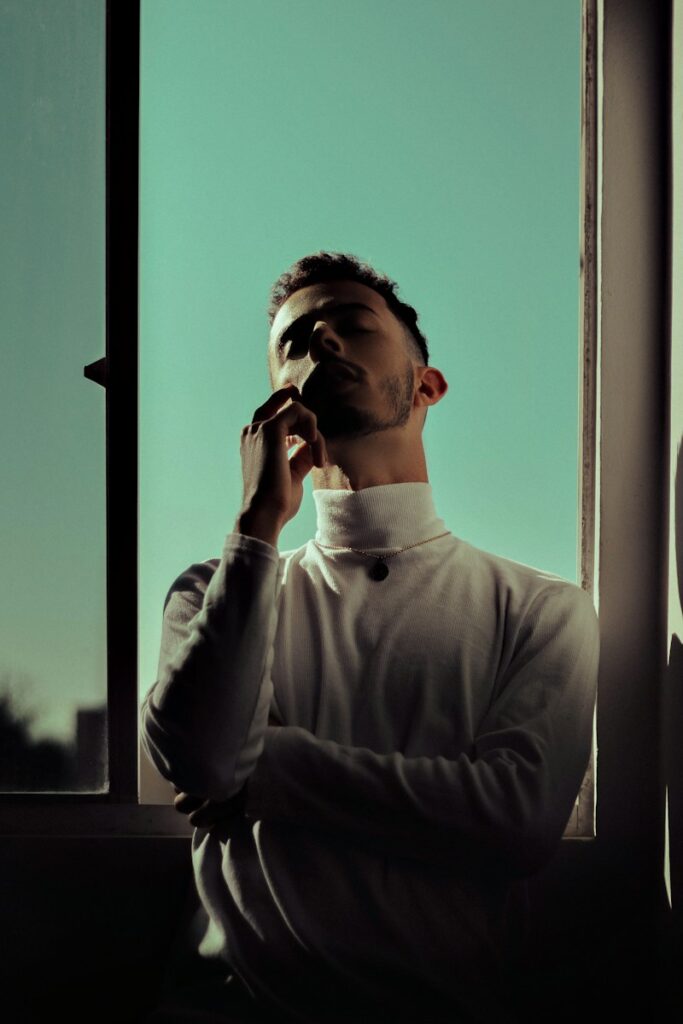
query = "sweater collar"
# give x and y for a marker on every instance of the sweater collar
(386, 516)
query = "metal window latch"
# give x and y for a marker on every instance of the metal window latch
(97, 371)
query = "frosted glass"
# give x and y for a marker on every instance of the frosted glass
(52, 425)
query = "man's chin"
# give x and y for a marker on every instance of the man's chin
(334, 430)
(336, 420)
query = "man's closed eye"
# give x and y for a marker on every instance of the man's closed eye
(344, 328)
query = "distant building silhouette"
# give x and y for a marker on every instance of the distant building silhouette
(29, 765)
(91, 748)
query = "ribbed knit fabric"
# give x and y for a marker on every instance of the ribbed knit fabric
(434, 729)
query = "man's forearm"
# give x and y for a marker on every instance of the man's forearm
(507, 799)
(445, 812)
(251, 525)
(204, 719)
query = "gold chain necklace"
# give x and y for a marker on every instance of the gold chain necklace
(380, 570)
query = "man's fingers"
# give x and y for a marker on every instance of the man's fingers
(203, 816)
(276, 400)
(318, 448)
(285, 416)
(203, 813)
(210, 812)
(186, 802)
(200, 812)
(294, 420)
(301, 461)
(297, 421)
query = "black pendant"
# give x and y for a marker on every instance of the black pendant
(379, 571)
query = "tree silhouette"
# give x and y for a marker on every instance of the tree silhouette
(27, 764)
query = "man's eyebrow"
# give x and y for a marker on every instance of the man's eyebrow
(324, 309)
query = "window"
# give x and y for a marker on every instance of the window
(53, 725)
(69, 40)
(476, 160)
(621, 565)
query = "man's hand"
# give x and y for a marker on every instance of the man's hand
(203, 813)
(273, 482)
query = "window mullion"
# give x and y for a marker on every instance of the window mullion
(123, 76)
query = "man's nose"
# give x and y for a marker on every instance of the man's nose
(323, 342)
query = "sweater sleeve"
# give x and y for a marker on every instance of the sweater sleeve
(204, 719)
(505, 802)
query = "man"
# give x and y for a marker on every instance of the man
(375, 733)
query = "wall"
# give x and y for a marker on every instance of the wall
(672, 699)
(89, 921)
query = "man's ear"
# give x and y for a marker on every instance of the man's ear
(433, 386)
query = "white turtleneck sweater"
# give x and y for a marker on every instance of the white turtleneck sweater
(434, 729)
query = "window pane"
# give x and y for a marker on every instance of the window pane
(440, 142)
(53, 650)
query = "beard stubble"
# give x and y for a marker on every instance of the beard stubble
(340, 417)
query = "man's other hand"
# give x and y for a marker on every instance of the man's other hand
(203, 813)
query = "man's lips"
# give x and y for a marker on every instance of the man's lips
(328, 371)
(338, 367)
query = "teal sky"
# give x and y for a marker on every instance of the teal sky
(439, 142)
(52, 526)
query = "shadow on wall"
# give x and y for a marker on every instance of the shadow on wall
(672, 744)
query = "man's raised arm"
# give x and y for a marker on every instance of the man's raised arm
(203, 721)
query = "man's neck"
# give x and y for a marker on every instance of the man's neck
(334, 478)
(357, 466)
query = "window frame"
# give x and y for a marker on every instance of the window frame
(582, 823)
(116, 811)
(609, 29)
(123, 119)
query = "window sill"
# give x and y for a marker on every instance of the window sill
(45, 817)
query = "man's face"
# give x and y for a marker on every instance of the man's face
(345, 350)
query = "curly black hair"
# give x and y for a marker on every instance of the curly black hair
(338, 266)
